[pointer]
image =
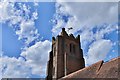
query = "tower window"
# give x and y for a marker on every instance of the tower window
(72, 48)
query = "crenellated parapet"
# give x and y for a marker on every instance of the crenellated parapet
(65, 35)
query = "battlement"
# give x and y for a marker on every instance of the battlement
(65, 35)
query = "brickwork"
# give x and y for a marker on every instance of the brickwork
(67, 55)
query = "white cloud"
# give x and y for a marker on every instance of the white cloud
(5, 12)
(13, 67)
(98, 51)
(93, 21)
(87, 15)
(58, 27)
(32, 61)
(22, 19)
(28, 31)
(37, 55)
(35, 15)
(33, 58)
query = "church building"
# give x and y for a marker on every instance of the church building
(66, 55)
(66, 61)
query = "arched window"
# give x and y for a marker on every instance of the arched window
(72, 48)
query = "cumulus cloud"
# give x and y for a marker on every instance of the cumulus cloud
(21, 19)
(98, 51)
(33, 58)
(13, 67)
(92, 20)
(4, 11)
(31, 62)
(37, 55)
(28, 31)
(99, 13)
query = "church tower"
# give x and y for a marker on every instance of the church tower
(66, 56)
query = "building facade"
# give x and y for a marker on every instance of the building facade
(65, 57)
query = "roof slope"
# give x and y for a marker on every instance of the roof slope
(100, 69)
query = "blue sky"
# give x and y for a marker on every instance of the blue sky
(10, 43)
(27, 29)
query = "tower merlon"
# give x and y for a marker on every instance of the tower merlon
(53, 38)
(78, 37)
(64, 33)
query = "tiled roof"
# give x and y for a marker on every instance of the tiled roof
(100, 69)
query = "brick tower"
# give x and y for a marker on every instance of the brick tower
(66, 56)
